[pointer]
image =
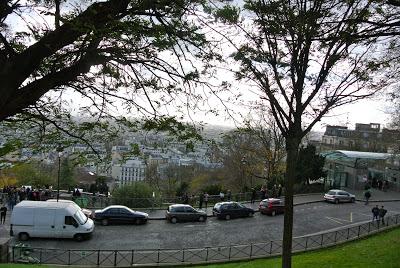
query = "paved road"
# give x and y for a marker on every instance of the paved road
(310, 218)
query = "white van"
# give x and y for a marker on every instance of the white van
(50, 219)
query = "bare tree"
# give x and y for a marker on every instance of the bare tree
(306, 58)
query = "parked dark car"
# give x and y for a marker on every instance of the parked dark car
(271, 206)
(181, 212)
(230, 210)
(120, 214)
(337, 196)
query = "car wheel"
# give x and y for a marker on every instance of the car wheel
(227, 217)
(273, 213)
(174, 220)
(23, 236)
(138, 221)
(202, 218)
(352, 200)
(251, 214)
(78, 237)
(104, 222)
(336, 201)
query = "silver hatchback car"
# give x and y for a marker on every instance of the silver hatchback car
(337, 196)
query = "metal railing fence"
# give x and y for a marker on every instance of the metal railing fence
(153, 257)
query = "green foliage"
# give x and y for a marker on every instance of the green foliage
(228, 14)
(309, 165)
(31, 174)
(135, 195)
(67, 179)
(182, 188)
(9, 147)
(213, 189)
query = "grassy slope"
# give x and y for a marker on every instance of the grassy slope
(379, 251)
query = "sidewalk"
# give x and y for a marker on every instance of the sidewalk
(376, 195)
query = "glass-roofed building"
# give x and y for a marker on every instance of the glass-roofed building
(353, 169)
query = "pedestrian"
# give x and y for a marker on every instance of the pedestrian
(3, 213)
(229, 195)
(201, 199)
(367, 196)
(382, 213)
(222, 196)
(375, 213)
(253, 195)
(263, 192)
(205, 200)
(279, 191)
(185, 198)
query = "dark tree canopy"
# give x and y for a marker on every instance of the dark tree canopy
(68, 67)
(310, 165)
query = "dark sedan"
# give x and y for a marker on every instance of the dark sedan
(181, 212)
(120, 214)
(229, 210)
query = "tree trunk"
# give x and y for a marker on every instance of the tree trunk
(292, 145)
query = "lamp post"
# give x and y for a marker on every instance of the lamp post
(59, 150)
(244, 163)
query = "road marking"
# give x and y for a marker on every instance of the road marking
(332, 219)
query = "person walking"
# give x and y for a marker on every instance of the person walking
(222, 196)
(375, 213)
(205, 200)
(279, 191)
(382, 213)
(228, 195)
(367, 196)
(253, 195)
(3, 213)
(201, 199)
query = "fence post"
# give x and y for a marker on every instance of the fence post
(207, 254)
(133, 254)
(270, 248)
(40, 255)
(335, 236)
(229, 254)
(69, 257)
(251, 250)
(115, 257)
(306, 242)
(348, 233)
(158, 256)
(359, 226)
(322, 239)
(13, 257)
(98, 257)
(369, 227)
(183, 255)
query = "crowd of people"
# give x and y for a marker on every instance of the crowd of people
(13, 195)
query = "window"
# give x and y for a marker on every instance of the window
(189, 209)
(69, 220)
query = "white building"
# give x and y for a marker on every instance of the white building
(130, 171)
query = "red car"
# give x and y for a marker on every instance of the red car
(272, 206)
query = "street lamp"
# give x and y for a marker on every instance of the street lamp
(59, 150)
(244, 163)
